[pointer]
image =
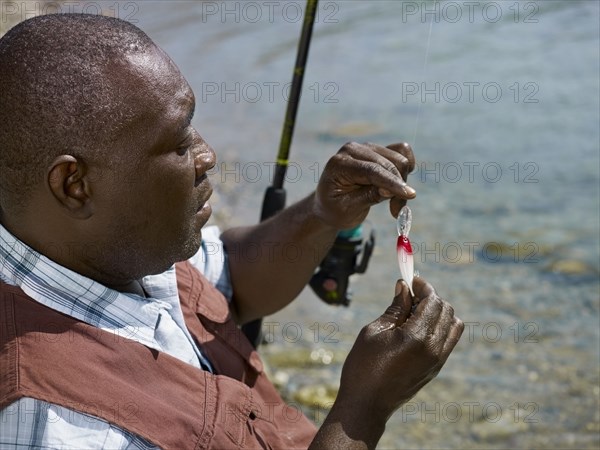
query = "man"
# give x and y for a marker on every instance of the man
(105, 341)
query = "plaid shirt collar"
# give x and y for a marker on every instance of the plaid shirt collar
(127, 315)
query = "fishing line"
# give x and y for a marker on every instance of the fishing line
(404, 220)
(424, 72)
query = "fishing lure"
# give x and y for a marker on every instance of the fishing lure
(403, 247)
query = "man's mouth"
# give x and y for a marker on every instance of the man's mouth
(203, 206)
(204, 202)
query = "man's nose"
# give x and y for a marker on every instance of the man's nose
(204, 158)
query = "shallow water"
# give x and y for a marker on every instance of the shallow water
(506, 219)
(503, 114)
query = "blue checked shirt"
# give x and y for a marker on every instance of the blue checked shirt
(155, 321)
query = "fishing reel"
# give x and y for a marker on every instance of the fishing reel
(331, 280)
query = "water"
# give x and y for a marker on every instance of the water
(506, 218)
(502, 104)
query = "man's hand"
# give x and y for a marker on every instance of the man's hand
(357, 177)
(397, 354)
(360, 176)
(392, 359)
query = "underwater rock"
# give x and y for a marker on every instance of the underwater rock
(290, 358)
(500, 427)
(302, 357)
(571, 267)
(517, 252)
(316, 396)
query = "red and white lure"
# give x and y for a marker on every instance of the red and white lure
(403, 247)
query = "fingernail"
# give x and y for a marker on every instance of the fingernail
(409, 190)
(399, 287)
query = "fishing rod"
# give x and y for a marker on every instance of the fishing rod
(274, 200)
(330, 282)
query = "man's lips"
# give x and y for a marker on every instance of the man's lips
(204, 206)
(204, 201)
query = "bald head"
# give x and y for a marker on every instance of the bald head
(60, 93)
(101, 169)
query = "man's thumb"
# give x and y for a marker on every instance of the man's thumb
(400, 308)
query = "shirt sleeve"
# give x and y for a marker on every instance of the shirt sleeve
(34, 424)
(211, 261)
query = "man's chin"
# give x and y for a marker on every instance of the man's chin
(192, 246)
(187, 250)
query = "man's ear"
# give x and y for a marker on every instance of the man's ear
(69, 184)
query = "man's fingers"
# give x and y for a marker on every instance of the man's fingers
(422, 288)
(422, 323)
(433, 320)
(445, 322)
(397, 313)
(405, 150)
(454, 335)
(395, 154)
(396, 205)
(386, 183)
(380, 167)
